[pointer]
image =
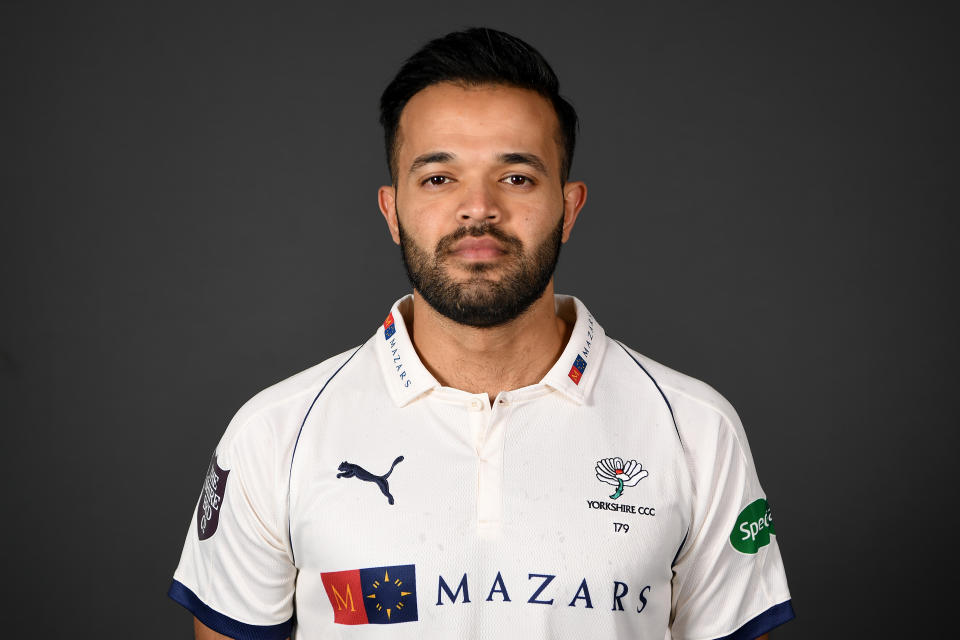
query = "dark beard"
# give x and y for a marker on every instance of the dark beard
(479, 302)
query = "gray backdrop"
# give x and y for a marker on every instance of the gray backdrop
(189, 215)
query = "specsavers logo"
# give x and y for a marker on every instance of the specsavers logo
(753, 528)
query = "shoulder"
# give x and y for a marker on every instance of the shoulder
(683, 387)
(698, 409)
(274, 415)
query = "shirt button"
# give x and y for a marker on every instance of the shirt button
(475, 405)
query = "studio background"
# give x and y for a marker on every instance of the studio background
(189, 215)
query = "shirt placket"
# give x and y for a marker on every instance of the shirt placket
(487, 428)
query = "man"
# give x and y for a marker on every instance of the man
(489, 463)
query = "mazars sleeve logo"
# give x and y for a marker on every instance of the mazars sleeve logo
(208, 510)
(376, 595)
(753, 528)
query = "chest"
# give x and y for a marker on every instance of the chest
(539, 487)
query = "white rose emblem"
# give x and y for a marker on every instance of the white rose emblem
(620, 474)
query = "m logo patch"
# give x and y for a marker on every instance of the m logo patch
(389, 327)
(576, 371)
(376, 595)
(208, 510)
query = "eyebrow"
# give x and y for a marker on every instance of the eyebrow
(430, 158)
(530, 159)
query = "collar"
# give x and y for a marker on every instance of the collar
(573, 374)
(405, 374)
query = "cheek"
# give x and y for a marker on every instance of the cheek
(418, 226)
(540, 219)
(421, 229)
(430, 219)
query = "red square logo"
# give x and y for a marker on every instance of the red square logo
(346, 596)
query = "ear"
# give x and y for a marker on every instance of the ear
(574, 197)
(387, 199)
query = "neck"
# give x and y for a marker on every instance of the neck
(489, 360)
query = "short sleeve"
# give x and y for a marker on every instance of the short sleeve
(236, 572)
(729, 580)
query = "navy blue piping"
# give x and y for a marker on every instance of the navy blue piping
(625, 350)
(763, 623)
(679, 549)
(226, 625)
(297, 442)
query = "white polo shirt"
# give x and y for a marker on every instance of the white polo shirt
(616, 498)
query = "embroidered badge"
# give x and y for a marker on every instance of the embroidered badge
(576, 371)
(208, 510)
(620, 474)
(377, 595)
(350, 470)
(389, 328)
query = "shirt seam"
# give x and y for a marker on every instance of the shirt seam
(260, 414)
(724, 418)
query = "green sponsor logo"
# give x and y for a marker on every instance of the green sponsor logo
(753, 528)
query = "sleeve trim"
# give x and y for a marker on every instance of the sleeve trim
(220, 623)
(769, 619)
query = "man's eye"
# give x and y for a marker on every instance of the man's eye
(518, 181)
(436, 181)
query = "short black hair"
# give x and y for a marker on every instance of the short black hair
(476, 57)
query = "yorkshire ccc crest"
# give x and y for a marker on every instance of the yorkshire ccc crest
(616, 472)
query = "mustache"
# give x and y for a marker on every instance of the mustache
(510, 243)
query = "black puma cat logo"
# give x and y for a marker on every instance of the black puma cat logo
(350, 470)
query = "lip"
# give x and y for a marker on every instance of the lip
(483, 248)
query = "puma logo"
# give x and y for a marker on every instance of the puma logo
(350, 470)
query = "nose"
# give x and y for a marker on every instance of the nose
(479, 204)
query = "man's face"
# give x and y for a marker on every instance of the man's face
(478, 208)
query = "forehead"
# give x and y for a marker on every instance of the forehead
(478, 119)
